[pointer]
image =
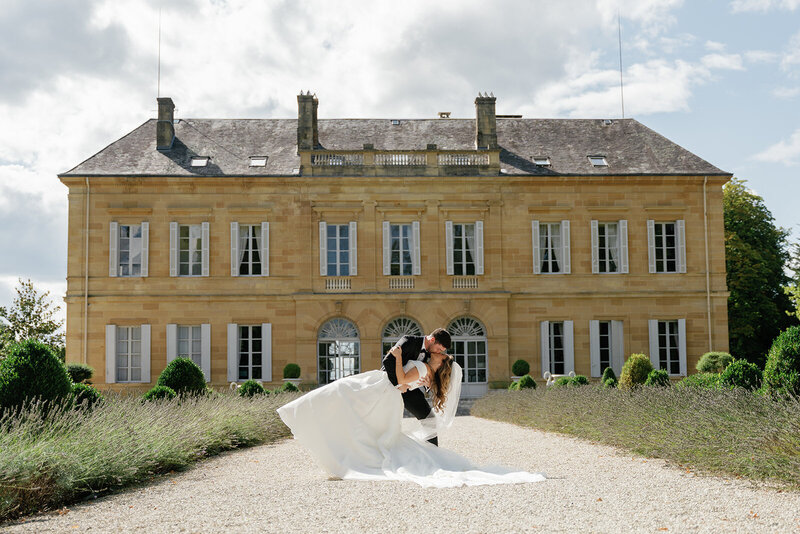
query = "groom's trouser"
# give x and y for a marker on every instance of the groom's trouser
(418, 406)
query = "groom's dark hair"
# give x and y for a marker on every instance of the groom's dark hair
(442, 337)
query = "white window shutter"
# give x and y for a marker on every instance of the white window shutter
(205, 350)
(323, 249)
(387, 248)
(113, 246)
(617, 347)
(233, 352)
(623, 246)
(448, 240)
(264, 248)
(651, 244)
(111, 354)
(266, 348)
(205, 239)
(173, 249)
(652, 326)
(595, 253)
(234, 249)
(145, 353)
(537, 262)
(353, 248)
(594, 346)
(417, 257)
(172, 342)
(565, 246)
(680, 229)
(145, 247)
(479, 246)
(682, 345)
(569, 347)
(544, 341)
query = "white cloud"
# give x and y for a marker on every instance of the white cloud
(723, 61)
(791, 54)
(761, 56)
(785, 92)
(786, 151)
(715, 46)
(742, 6)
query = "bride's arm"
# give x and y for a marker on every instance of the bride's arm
(402, 376)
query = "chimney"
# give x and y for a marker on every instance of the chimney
(307, 130)
(165, 129)
(486, 122)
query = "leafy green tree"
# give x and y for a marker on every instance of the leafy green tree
(756, 252)
(31, 316)
(793, 289)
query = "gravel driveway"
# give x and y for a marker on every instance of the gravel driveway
(591, 488)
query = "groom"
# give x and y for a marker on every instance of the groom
(422, 349)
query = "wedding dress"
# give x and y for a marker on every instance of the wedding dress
(352, 428)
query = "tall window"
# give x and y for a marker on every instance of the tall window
(250, 250)
(464, 249)
(130, 250)
(250, 352)
(397, 328)
(401, 243)
(604, 331)
(338, 249)
(665, 247)
(550, 247)
(668, 347)
(190, 259)
(608, 247)
(338, 350)
(190, 343)
(129, 354)
(556, 345)
(469, 348)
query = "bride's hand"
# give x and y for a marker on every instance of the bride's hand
(425, 380)
(403, 388)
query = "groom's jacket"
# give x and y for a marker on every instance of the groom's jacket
(412, 350)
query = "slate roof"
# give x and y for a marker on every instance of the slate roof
(630, 147)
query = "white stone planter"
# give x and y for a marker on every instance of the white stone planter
(515, 378)
(295, 381)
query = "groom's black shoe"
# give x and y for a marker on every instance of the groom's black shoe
(434, 440)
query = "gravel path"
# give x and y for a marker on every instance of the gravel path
(592, 488)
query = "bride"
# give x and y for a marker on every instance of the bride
(353, 428)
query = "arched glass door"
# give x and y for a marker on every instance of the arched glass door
(338, 350)
(397, 328)
(470, 351)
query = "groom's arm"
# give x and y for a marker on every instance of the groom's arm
(390, 362)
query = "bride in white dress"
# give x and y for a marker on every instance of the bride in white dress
(352, 428)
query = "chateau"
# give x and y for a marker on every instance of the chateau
(249, 244)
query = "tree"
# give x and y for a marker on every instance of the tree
(31, 316)
(793, 289)
(756, 252)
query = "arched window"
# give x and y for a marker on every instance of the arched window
(397, 328)
(338, 350)
(469, 348)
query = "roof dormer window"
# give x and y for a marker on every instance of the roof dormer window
(542, 161)
(258, 161)
(598, 161)
(200, 161)
(395, 122)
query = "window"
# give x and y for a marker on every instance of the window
(550, 247)
(543, 161)
(190, 344)
(609, 247)
(598, 161)
(604, 336)
(130, 250)
(464, 244)
(666, 246)
(338, 350)
(668, 345)
(200, 161)
(397, 328)
(338, 243)
(191, 250)
(249, 250)
(129, 354)
(469, 348)
(250, 353)
(401, 249)
(258, 161)
(557, 353)
(605, 344)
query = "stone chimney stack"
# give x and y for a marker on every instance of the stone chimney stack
(165, 129)
(486, 122)
(307, 130)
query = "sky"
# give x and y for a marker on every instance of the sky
(720, 78)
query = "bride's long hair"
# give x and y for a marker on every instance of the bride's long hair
(440, 384)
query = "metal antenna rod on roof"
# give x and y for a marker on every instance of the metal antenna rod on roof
(158, 87)
(621, 92)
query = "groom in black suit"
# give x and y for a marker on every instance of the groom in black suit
(416, 348)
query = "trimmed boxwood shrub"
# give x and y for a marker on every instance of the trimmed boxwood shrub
(609, 378)
(658, 378)
(160, 392)
(251, 388)
(579, 380)
(183, 376)
(634, 371)
(78, 372)
(562, 381)
(700, 380)
(287, 386)
(742, 374)
(526, 382)
(782, 370)
(513, 386)
(84, 395)
(520, 368)
(714, 362)
(31, 369)
(292, 370)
